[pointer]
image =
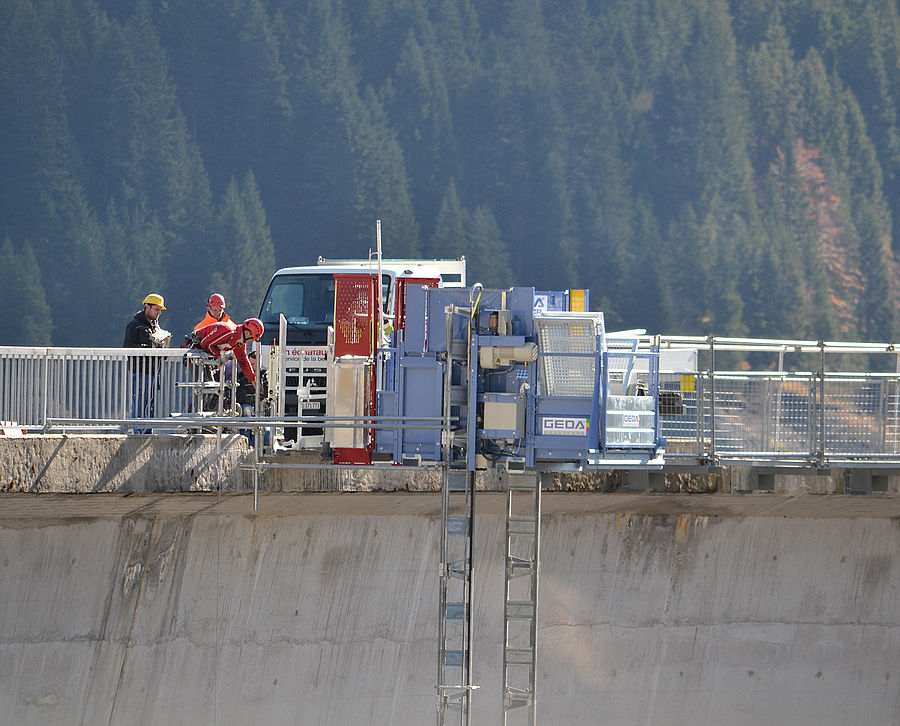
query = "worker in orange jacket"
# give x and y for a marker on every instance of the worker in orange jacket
(219, 338)
(215, 312)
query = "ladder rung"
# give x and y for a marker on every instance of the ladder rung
(457, 481)
(519, 656)
(455, 698)
(516, 697)
(456, 611)
(457, 569)
(453, 658)
(517, 567)
(522, 525)
(522, 482)
(520, 610)
(457, 526)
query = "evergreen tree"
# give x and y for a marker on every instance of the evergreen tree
(27, 315)
(474, 235)
(708, 165)
(230, 79)
(451, 230)
(486, 251)
(519, 160)
(29, 88)
(136, 246)
(418, 101)
(163, 171)
(244, 258)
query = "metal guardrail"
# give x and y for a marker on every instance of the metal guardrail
(835, 413)
(39, 384)
(786, 416)
(798, 418)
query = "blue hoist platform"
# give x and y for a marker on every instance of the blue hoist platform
(523, 390)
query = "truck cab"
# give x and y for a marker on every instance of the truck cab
(305, 296)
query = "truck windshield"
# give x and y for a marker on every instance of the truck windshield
(305, 300)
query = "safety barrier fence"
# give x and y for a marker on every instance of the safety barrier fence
(786, 416)
(39, 384)
(805, 417)
(837, 409)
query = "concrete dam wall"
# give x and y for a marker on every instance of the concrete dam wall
(322, 609)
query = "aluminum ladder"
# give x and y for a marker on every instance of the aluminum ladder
(454, 685)
(455, 626)
(520, 608)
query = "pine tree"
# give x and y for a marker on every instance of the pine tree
(450, 237)
(419, 103)
(486, 251)
(27, 315)
(245, 256)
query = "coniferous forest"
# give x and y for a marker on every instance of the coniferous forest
(703, 166)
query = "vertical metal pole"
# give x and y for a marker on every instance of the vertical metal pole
(779, 401)
(699, 407)
(821, 452)
(380, 300)
(46, 385)
(281, 377)
(896, 403)
(444, 566)
(258, 433)
(712, 397)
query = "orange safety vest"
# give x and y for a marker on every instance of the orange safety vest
(210, 320)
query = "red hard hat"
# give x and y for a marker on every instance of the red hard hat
(216, 299)
(255, 326)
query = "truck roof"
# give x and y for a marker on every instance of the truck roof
(452, 272)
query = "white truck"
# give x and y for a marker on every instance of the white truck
(306, 297)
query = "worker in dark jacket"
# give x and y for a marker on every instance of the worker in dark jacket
(144, 331)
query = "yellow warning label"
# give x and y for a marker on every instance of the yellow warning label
(576, 301)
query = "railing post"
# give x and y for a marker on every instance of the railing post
(896, 403)
(45, 394)
(711, 453)
(818, 455)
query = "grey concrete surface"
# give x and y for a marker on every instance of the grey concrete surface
(201, 462)
(119, 463)
(322, 609)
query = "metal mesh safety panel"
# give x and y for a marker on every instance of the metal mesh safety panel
(892, 417)
(567, 360)
(354, 307)
(680, 426)
(759, 415)
(857, 417)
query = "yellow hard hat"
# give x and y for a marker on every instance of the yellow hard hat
(154, 299)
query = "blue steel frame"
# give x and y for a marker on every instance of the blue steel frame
(412, 386)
